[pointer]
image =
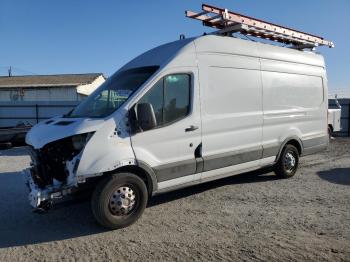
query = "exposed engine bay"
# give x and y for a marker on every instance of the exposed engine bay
(53, 168)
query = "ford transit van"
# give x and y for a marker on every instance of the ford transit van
(183, 113)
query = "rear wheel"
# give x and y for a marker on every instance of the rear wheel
(119, 200)
(288, 162)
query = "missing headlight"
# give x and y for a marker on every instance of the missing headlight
(52, 158)
(79, 141)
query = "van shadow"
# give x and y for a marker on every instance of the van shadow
(19, 226)
(261, 175)
(339, 176)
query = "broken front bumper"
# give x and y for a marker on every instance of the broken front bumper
(43, 188)
(42, 198)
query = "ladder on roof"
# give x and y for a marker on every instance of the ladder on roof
(229, 22)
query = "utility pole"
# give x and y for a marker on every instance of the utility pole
(10, 71)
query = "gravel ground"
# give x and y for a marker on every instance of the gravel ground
(250, 217)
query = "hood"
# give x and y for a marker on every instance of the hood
(58, 128)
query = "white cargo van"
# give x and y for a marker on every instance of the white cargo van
(183, 113)
(334, 118)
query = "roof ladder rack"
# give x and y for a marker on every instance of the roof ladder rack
(229, 22)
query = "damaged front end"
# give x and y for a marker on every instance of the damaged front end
(52, 174)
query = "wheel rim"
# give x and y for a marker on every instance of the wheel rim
(290, 161)
(123, 201)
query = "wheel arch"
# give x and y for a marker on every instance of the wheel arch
(143, 171)
(295, 141)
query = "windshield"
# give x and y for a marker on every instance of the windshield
(113, 93)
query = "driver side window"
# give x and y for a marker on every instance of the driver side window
(170, 98)
(155, 97)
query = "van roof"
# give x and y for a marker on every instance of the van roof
(165, 53)
(237, 46)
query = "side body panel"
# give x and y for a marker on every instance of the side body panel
(295, 105)
(231, 109)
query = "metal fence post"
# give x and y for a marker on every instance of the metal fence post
(348, 104)
(37, 113)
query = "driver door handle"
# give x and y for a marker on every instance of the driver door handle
(191, 128)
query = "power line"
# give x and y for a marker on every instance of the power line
(23, 70)
(16, 68)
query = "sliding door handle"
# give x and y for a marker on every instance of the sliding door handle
(191, 128)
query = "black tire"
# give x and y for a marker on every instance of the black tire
(288, 162)
(106, 192)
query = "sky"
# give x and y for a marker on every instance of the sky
(82, 36)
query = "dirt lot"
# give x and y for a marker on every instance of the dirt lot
(250, 217)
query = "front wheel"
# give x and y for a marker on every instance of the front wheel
(288, 162)
(119, 200)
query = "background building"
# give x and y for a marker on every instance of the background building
(72, 87)
(33, 98)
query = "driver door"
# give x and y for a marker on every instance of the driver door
(169, 148)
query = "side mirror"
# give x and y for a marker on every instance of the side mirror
(146, 119)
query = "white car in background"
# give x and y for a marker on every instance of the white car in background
(334, 116)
